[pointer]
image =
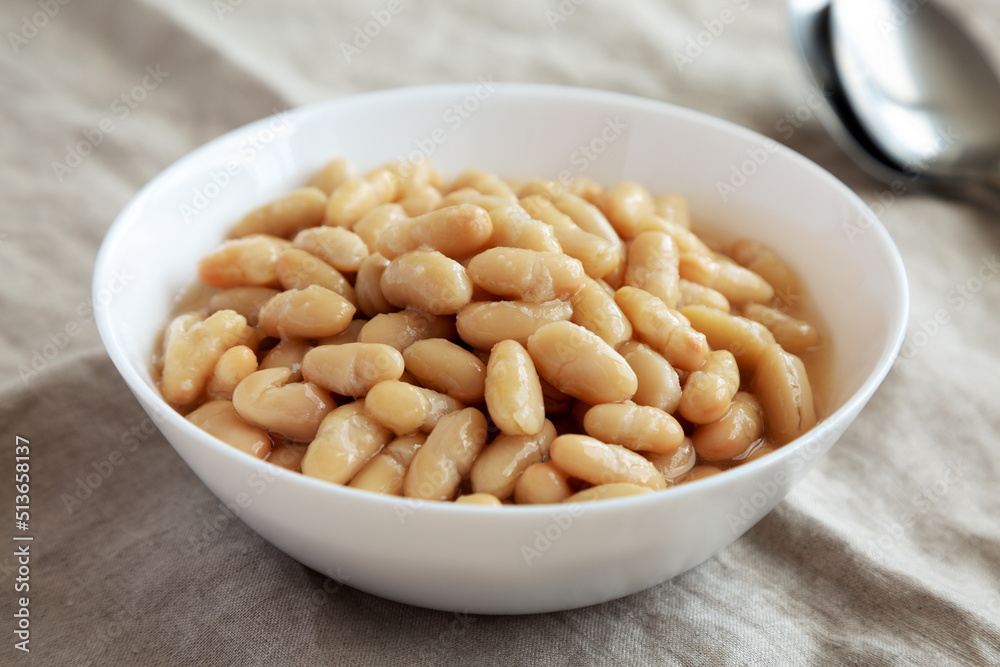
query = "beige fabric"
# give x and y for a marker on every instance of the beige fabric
(887, 554)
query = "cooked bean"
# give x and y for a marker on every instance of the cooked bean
(673, 208)
(700, 472)
(736, 283)
(739, 429)
(285, 216)
(288, 455)
(348, 335)
(541, 483)
(368, 287)
(762, 260)
(235, 364)
(624, 204)
(783, 388)
(445, 459)
(246, 261)
(596, 462)
(597, 253)
(408, 379)
(541, 208)
(615, 278)
(385, 472)
(513, 393)
(652, 266)
(404, 408)
(686, 240)
(563, 301)
(693, 294)
(588, 218)
(515, 183)
(474, 197)
(709, 390)
(287, 354)
(244, 300)
(637, 427)
(340, 248)
(483, 181)
(219, 418)
(541, 187)
(389, 178)
(332, 174)
(376, 220)
(291, 409)
(428, 281)
(745, 338)
(403, 328)
(577, 362)
(608, 491)
(352, 369)
(793, 334)
(658, 384)
(664, 329)
(526, 275)
(598, 256)
(486, 499)
(419, 199)
(514, 228)
(498, 467)
(415, 172)
(443, 366)
(356, 196)
(455, 231)
(674, 465)
(192, 346)
(595, 309)
(312, 312)
(252, 338)
(298, 269)
(347, 440)
(483, 324)
(585, 188)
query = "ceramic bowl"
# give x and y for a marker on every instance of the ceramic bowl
(512, 559)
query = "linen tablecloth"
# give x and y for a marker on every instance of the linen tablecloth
(888, 553)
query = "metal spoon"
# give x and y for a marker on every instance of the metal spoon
(909, 96)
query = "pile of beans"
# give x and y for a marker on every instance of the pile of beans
(489, 341)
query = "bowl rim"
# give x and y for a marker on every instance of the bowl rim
(126, 220)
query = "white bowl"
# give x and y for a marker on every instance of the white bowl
(512, 559)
